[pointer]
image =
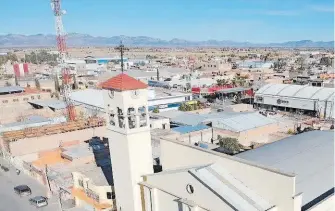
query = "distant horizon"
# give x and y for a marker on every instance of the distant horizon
(256, 21)
(230, 40)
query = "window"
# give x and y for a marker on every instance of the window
(121, 118)
(143, 116)
(112, 119)
(131, 118)
(189, 189)
(38, 96)
(32, 97)
(15, 100)
(25, 99)
(81, 183)
(110, 195)
(5, 101)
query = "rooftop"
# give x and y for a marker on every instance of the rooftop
(186, 118)
(297, 91)
(11, 89)
(188, 129)
(310, 156)
(52, 104)
(123, 82)
(76, 152)
(243, 122)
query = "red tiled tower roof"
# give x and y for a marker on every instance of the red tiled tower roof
(123, 82)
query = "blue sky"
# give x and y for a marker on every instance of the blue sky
(239, 20)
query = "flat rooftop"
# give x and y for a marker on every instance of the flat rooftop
(310, 156)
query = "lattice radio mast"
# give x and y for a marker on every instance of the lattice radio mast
(62, 49)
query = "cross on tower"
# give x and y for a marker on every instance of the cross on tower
(121, 48)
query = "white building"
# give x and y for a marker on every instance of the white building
(283, 176)
(319, 100)
(163, 99)
(126, 101)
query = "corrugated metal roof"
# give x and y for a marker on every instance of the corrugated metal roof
(7, 89)
(232, 90)
(310, 156)
(298, 91)
(31, 121)
(53, 104)
(243, 122)
(185, 118)
(274, 88)
(188, 129)
(239, 196)
(89, 97)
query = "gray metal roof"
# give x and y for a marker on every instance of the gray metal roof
(310, 156)
(9, 89)
(232, 90)
(227, 186)
(297, 91)
(185, 118)
(76, 152)
(53, 104)
(243, 122)
(89, 97)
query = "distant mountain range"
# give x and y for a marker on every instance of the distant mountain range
(75, 39)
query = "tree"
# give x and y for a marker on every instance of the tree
(243, 59)
(12, 57)
(230, 145)
(156, 110)
(37, 84)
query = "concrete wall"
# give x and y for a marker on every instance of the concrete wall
(257, 135)
(158, 200)
(101, 191)
(202, 196)
(36, 144)
(277, 188)
(159, 123)
(14, 99)
(163, 101)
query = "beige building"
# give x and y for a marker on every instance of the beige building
(247, 127)
(92, 191)
(12, 96)
(282, 176)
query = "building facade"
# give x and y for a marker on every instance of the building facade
(128, 131)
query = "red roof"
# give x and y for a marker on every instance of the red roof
(123, 82)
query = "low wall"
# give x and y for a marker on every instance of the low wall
(36, 144)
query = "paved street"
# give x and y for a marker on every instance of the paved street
(9, 201)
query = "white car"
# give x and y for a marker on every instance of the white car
(39, 201)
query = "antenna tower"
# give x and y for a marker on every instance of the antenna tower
(121, 48)
(62, 49)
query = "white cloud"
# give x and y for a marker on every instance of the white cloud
(322, 8)
(281, 12)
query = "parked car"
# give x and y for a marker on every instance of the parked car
(39, 201)
(22, 190)
(5, 168)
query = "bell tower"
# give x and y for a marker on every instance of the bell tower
(128, 128)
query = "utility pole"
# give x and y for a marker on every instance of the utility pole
(121, 48)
